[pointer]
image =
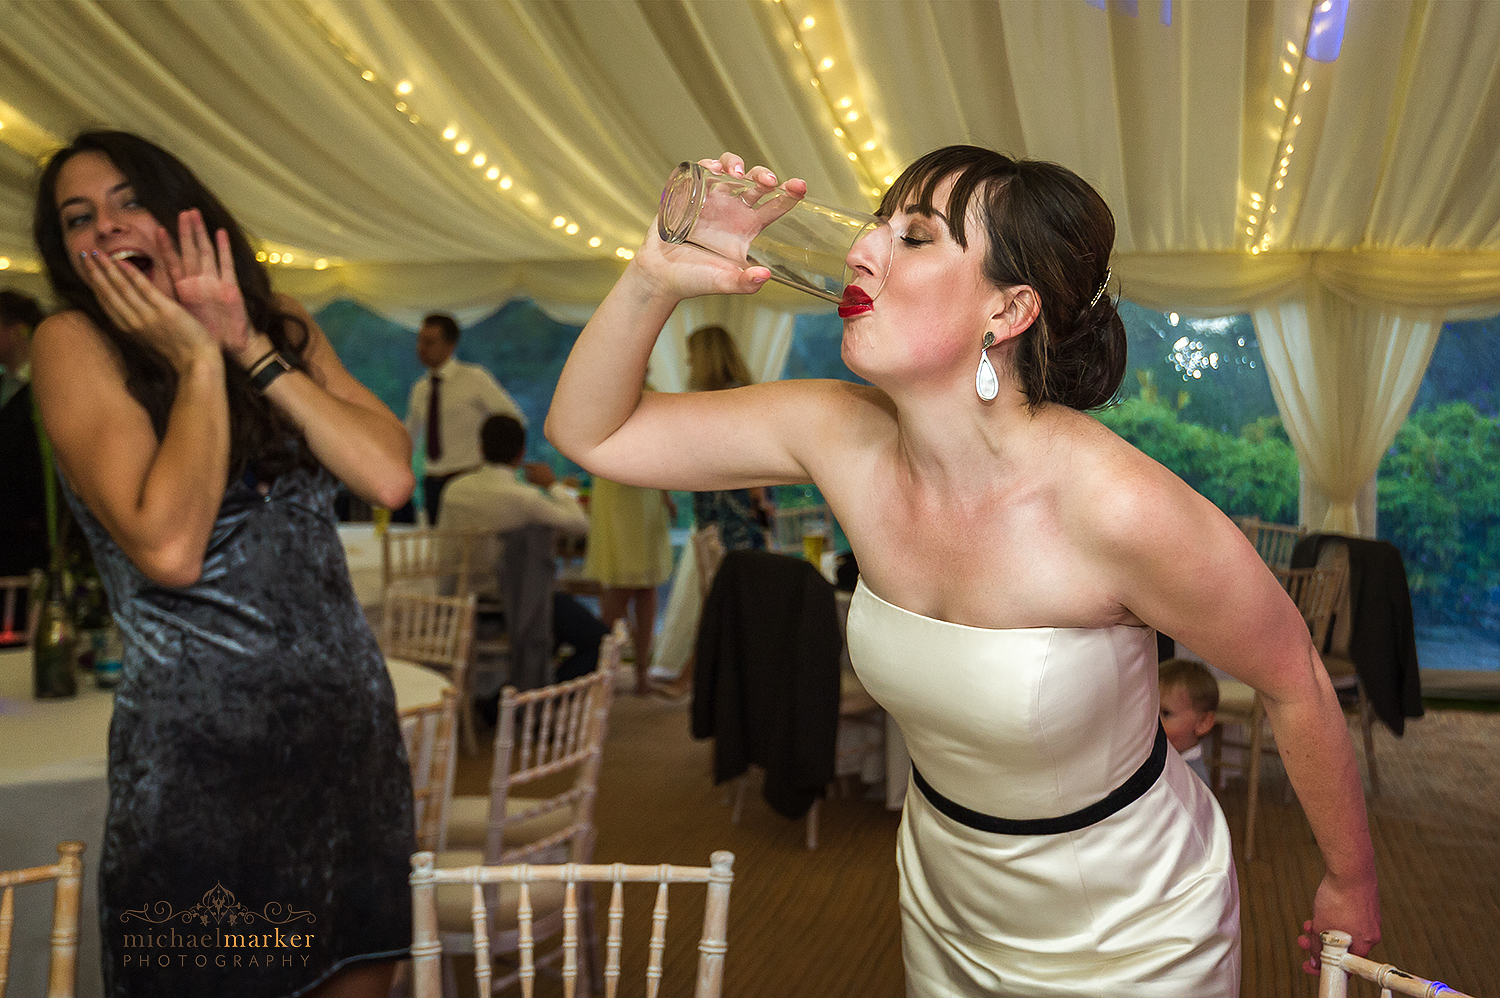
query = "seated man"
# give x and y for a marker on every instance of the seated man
(494, 499)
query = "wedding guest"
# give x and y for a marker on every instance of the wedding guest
(23, 512)
(1189, 702)
(201, 423)
(494, 499)
(446, 408)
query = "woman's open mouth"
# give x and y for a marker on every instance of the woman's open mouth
(139, 261)
(855, 302)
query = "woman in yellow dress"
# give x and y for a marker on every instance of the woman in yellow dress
(630, 554)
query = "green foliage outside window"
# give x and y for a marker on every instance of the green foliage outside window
(1440, 504)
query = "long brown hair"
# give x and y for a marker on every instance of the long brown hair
(165, 186)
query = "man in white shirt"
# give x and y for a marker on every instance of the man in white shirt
(494, 499)
(447, 407)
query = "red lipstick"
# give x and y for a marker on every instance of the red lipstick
(855, 302)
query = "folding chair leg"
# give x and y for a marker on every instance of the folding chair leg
(1366, 721)
(1253, 775)
(742, 784)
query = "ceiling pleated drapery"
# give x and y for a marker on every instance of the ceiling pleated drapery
(1327, 167)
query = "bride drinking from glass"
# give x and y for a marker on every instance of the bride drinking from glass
(1016, 559)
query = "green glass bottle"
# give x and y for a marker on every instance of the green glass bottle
(52, 650)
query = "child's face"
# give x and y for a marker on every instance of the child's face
(1183, 724)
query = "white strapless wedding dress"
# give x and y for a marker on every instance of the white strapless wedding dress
(1031, 723)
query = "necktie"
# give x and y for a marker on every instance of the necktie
(434, 436)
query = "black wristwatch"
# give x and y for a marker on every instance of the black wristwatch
(268, 369)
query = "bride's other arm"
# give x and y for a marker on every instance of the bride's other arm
(1181, 566)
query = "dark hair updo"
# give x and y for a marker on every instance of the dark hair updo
(166, 187)
(1048, 229)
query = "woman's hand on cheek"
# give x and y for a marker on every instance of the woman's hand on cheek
(142, 311)
(205, 280)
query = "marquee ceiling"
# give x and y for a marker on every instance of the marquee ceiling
(458, 151)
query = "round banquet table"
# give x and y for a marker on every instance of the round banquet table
(53, 757)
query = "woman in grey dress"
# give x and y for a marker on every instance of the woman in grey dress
(260, 804)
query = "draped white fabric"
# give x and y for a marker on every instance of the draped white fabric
(1202, 122)
(1342, 395)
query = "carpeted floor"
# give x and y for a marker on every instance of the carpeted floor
(824, 924)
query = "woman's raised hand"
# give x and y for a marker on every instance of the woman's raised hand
(687, 271)
(204, 278)
(141, 310)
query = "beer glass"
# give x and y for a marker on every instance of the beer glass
(804, 243)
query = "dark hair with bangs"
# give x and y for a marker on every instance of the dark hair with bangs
(165, 186)
(1045, 228)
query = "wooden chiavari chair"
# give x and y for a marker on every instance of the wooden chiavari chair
(438, 632)
(524, 890)
(543, 736)
(431, 746)
(67, 874)
(1273, 541)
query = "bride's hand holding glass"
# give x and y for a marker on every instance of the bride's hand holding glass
(732, 218)
(742, 217)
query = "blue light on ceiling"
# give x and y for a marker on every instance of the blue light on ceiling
(1132, 7)
(1325, 36)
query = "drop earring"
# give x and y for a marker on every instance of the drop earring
(986, 383)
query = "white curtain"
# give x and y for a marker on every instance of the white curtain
(1343, 393)
(455, 155)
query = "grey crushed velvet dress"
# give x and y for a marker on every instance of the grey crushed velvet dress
(260, 814)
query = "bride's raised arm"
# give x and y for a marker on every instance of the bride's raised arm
(602, 418)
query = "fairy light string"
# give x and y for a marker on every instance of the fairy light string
(819, 54)
(1261, 204)
(404, 99)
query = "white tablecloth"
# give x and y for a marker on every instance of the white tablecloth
(362, 548)
(52, 788)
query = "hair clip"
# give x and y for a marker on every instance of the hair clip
(1100, 293)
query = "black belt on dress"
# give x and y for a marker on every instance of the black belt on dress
(1131, 790)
